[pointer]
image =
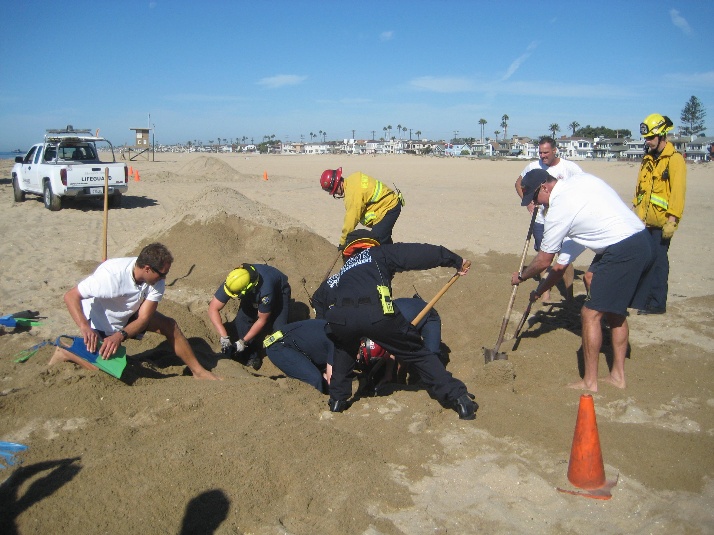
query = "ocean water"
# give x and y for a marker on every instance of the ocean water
(10, 155)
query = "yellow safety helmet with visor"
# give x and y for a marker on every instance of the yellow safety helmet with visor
(656, 125)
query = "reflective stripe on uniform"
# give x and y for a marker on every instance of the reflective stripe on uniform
(377, 193)
(270, 340)
(368, 218)
(659, 201)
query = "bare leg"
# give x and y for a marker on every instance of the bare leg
(60, 355)
(545, 297)
(592, 341)
(568, 282)
(620, 333)
(170, 329)
(587, 280)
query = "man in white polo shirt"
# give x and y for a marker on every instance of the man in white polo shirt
(589, 212)
(561, 169)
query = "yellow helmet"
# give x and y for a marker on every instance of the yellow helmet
(240, 281)
(656, 125)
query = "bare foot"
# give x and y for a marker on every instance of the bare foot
(60, 355)
(546, 297)
(206, 375)
(618, 383)
(580, 385)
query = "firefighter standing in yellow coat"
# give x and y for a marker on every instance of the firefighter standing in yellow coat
(659, 203)
(367, 201)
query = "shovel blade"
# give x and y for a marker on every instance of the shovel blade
(490, 355)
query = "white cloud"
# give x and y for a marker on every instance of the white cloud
(386, 36)
(281, 80)
(355, 100)
(442, 85)
(679, 21)
(513, 67)
(699, 80)
(197, 97)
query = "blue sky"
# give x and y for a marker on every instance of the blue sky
(203, 70)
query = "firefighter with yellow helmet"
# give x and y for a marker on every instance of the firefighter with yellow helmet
(367, 201)
(264, 294)
(659, 203)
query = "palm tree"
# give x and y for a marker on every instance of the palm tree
(555, 127)
(404, 129)
(504, 125)
(320, 132)
(482, 122)
(574, 126)
(496, 132)
(385, 131)
(399, 130)
(311, 136)
(389, 127)
(418, 133)
(324, 136)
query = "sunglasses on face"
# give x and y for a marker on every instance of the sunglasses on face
(159, 273)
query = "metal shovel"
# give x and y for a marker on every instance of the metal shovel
(493, 354)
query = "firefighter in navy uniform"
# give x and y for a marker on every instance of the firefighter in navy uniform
(303, 351)
(356, 302)
(264, 294)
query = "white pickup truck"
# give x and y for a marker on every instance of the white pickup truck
(67, 164)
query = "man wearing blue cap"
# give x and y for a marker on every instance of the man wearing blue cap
(589, 212)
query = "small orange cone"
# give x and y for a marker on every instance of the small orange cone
(131, 171)
(586, 469)
(136, 175)
(265, 175)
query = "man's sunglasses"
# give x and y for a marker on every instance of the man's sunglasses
(159, 273)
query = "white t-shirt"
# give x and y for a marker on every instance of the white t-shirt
(562, 170)
(110, 295)
(589, 212)
(569, 251)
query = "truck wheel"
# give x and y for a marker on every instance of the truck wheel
(19, 194)
(52, 201)
(115, 200)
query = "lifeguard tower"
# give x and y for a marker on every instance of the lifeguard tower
(142, 144)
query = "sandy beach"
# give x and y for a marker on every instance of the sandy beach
(258, 453)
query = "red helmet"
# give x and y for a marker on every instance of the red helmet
(331, 179)
(369, 351)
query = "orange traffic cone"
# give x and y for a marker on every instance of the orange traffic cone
(136, 175)
(265, 175)
(586, 469)
(131, 171)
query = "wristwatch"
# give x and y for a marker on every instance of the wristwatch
(521, 278)
(124, 335)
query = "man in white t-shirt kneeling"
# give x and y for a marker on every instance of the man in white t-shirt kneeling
(119, 301)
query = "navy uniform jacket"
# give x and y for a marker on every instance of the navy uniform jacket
(261, 298)
(363, 272)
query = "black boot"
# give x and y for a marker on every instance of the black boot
(466, 407)
(254, 362)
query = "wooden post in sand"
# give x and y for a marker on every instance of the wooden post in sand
(106, 213)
